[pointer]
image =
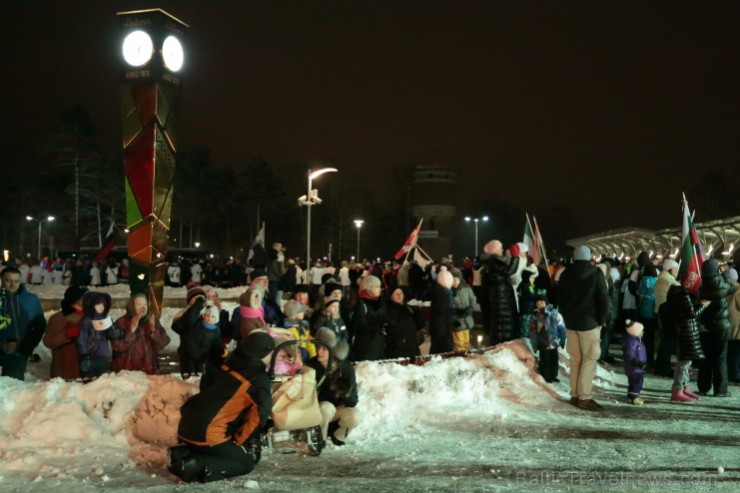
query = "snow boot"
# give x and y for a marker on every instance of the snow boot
(188, 468)
(689, 393)
(637, 401)
(677, 395)
(589, 405)
(333, 427)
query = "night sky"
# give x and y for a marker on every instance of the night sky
(609, 109)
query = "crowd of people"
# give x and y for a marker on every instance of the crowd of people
(361, 311)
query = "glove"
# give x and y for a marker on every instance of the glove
(72, 330)
(86, 364)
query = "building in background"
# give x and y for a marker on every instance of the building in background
(433, 198)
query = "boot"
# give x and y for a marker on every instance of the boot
(677, 395)
(689, 393)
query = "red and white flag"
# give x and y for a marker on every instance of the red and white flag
(533, 240)
(410, 242)
(692, 257)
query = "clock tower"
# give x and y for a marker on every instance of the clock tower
(152, 58)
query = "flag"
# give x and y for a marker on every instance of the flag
(420, 259)
(533, 240)
(108, 244)
(410, 242)
(258, 240)
(692, 257)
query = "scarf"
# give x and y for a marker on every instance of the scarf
(367, 296)
(248, 312)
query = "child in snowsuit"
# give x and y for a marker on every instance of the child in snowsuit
(295, 312)
(201, 346)
(95, 332)
(635, 359)
(546, 332)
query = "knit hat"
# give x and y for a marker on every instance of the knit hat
(257, 273)
(444, 278)
(492, 246)
(710, 267)
(327, 336)
(258, 344)
(329, 300)
(456, 273)
(582, 253)
(330, 287)
(523, 248)
(293, 308)
(669, 264)
(634, 328)
(369, 282)
(300, 288)
(515, 250)
(71, 296)
(339, 349)
(195, 291)
(732, 275)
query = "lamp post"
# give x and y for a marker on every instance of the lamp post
(47, 218)
(311, 198)
(358, 225)
(476, 220)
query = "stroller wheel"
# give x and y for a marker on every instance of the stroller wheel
(315, 441)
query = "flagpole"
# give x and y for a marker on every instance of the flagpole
(417, 228)
(541, 242)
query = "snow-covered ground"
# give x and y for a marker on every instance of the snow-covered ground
(483, 423)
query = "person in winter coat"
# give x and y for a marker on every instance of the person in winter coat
(607, 331)
(646, 310)
(404, 332)
(251, 312)
(331, 318)
(635, 359)
(498, 300)
(547, 333)
(683, 327)
(442, 314)
(201, 348)
(22, 324)
(716, 319)
(221, 425)
(584, 303)
(95, 332)
(733, 338)
(140, 339)
(665, 340)
(463, 300)
(526, 293)
(369, 321)
(65, 362)
(338, 388)
(299, 328)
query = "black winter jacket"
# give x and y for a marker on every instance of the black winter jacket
(687, 314)
(498, 302)
(404, 323)
(715, 288)
(583, 296)
(368, 324)
(340, 386)
(442, 314)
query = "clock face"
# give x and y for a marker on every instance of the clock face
(137, 48)
(172, 53)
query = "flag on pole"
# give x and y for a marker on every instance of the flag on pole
(420, 259)
(533, 240)
(692, 257)
(259, 240)
(108, 244)
(410, 242)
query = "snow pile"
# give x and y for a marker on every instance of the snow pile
(132, 415)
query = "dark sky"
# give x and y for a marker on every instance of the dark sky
(609, 109)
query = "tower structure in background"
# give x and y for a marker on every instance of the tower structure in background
(433, 198)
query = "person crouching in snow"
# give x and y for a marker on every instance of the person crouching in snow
(547, 333)
(635, 359)
(219, 425)
(337, 390)
(141, 338)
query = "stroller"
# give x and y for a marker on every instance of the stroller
(296, 414)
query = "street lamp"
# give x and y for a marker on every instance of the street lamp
(476, 220)
(358, 224)
(311, 198)
(47, 218)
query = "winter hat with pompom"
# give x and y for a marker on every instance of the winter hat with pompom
(634, 328)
